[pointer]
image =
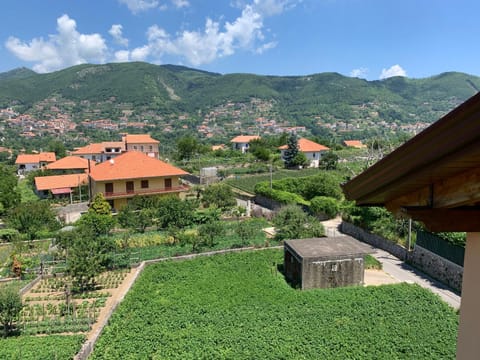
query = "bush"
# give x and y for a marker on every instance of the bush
(291, 222)
(324, 205)
(8, 235)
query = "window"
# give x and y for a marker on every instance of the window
(129, 187)
(151, 147)
(141, 148)
(108, 189)
(134, 147)
(168, 183)
(144, 184)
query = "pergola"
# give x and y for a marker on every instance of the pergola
(435, 178)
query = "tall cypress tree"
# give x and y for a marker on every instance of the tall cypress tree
(291, 151)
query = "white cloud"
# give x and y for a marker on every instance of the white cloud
(180, 3)
(140, 53)
(136, 6)
(116, 32)
(395, 70)
(204, 46)
(66, 48)
(274, 7)
(359, 73)
(265, 47)
(121, 56)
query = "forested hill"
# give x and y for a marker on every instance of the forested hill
(172, 89)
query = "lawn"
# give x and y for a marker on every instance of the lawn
(238, 306)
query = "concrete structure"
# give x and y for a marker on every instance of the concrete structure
(142, 143)
(312, 150)
(325, 262)
(435, 178)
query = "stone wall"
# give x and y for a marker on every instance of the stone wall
(430, 263)
(437, 267)
(374, 240)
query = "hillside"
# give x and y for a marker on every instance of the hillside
(169, 96)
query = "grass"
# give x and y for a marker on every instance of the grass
(371, 263)
(44, 347)
(238, 306)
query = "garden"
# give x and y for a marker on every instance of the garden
(238, 306)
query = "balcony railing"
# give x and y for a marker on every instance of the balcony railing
(140, 192)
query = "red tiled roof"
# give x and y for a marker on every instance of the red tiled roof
(60, 181)
(96, 148)
(69, 162)
(354, 143)
(35, 158)
(244, 138)
(139, 139)
(305, 145)
(133, 165)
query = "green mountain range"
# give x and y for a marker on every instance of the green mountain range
(167, 89)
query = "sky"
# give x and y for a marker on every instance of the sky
(370, 39)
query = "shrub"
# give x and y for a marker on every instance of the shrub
(324, 205)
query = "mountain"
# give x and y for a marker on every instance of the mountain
(167, 89)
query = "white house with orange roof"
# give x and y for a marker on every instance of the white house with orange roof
(242, 142)
(100, 152)
(312, 150)
(143, 143)
(31, 162)
(134, 173)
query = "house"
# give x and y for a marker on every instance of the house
(218, 147)
(31, 162)
(70, 164)
(59, 185)
(312, 150)
(100, 152)
(441, 189)
(143, 143)
(134, 173)
(355, 144)
(241, 142)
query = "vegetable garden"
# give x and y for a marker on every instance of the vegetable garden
(239, 306)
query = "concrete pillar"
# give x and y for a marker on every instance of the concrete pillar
(468, 343)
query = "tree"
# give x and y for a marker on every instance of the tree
(291, 222)
(172, 211)
(209, 231)
(10, 307)
(245, 231)
(291, 152)
(324, 205)
(58, 148)
(187, 146)
(9, 194)
(31, 218)
(100, 206)
(260, 149)
(329, 161)
(219, 195)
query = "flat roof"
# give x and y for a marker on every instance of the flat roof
(328, 247)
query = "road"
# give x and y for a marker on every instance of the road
(401, 271)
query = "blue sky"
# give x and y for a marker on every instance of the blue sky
(371, 39)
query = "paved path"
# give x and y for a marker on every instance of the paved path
(401, 271)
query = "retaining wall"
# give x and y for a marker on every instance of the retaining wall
(430, 263)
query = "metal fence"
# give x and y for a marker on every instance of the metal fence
(441, 247)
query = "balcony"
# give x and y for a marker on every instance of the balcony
(145, 192)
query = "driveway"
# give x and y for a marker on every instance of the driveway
(400, 271)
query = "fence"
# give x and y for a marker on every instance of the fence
(441, 247)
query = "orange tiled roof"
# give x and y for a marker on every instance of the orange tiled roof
(60, 181)
(244, 138)
(133, 165)
(35, 158)
(305, 145)
(96, 148)
(354, 143)
(69, 162)
(139, 139)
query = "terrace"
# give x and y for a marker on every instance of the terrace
(144, 192)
